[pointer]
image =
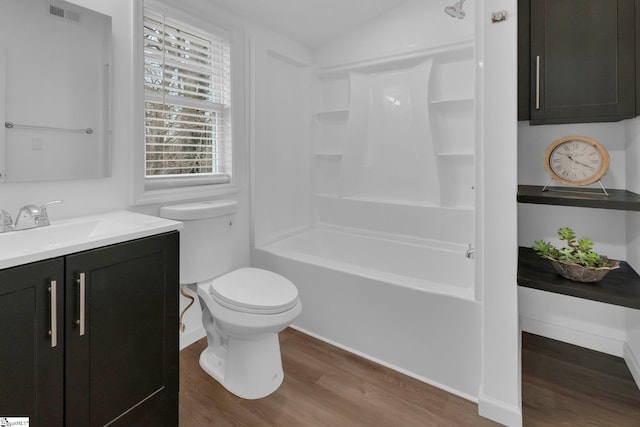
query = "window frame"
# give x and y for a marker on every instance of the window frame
(166, 189)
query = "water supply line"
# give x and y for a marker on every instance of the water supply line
(186, 295)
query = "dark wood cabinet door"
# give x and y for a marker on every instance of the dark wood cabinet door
(582, 60)
(32, 342)
(524, 64)
(122, 334)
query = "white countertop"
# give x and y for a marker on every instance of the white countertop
(78, 234)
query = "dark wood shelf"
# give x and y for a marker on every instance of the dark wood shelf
(619, 287)
(581, 197)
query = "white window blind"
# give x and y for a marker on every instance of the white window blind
(187, 85)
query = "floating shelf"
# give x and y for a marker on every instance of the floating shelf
(588, 198)
(620, 287)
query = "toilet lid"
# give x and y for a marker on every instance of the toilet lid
(254, 290)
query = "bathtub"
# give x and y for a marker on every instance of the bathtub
(403, 303)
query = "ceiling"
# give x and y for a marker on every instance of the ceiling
(311, 22)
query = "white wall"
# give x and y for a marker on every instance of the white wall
(632, 158)
(590, 324)
(497, 254)
(281, 72)
(632, 350)
(534, 140)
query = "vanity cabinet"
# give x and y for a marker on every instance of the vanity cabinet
(576, 60)
(116, 357)
(32, 359)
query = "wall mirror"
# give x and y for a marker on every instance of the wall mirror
(55, 61)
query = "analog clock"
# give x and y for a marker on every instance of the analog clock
(576, 160)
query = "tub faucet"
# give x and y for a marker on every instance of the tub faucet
(470, 252)
(31, 216)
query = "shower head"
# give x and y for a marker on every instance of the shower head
(456, 10)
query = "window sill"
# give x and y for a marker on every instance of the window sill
(170, 195)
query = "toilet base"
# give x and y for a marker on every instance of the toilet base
(252, 368)
(212, 364)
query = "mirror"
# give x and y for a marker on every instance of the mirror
(55, 61)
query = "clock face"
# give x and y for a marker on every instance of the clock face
(576, 160)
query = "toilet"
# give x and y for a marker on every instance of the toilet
(242, 310)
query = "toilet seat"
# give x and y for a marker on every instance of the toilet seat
(254, 290)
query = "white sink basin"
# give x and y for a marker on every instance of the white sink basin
(78, 234)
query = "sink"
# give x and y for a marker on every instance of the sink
(78, 234)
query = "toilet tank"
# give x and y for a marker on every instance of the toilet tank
(205, 239)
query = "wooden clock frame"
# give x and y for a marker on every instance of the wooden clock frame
(604, 167)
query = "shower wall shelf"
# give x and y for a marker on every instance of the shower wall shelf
(331, 131)
(331, 120)
(452, 118)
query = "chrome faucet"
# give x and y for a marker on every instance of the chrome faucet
(32, 216)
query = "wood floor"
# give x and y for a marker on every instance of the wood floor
(563, 385)
(566, 385)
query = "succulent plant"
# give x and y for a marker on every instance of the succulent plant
(577, 251)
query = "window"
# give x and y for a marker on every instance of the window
(187, 95)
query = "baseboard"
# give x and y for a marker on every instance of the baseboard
(573, 336)
(499, 412)
(189, 338)
(632, 364)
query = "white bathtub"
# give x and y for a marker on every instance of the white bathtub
(406, 305)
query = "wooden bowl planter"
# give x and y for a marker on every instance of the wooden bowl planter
(576, 261)
(580, 273)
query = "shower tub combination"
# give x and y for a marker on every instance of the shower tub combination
(377, 250)
(408, 305)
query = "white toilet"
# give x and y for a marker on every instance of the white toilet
(242, 311)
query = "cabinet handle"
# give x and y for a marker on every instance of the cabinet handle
(54, 314)
(81, 322)
(538, 82)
